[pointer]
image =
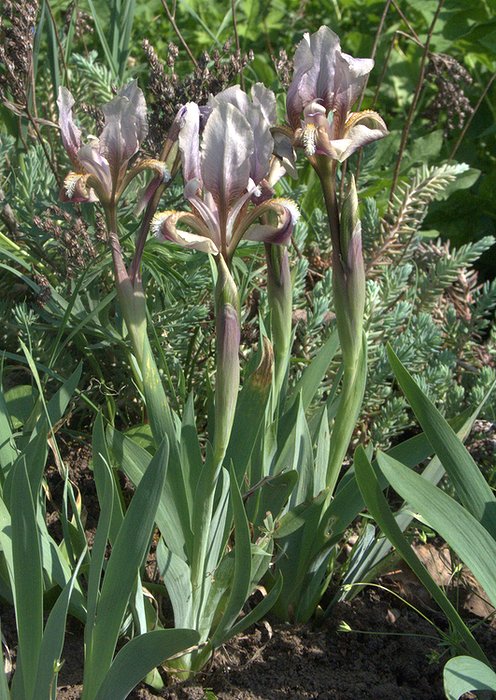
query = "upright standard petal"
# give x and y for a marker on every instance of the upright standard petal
(349, 79)
(189, 141)
(225, 159)
(233, 95)
(314, 66)
(265, 100)
(125, 128)
(71, 135)
(260, 113)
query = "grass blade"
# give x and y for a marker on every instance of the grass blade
(120, 576)
(53, 637)
(464, 674)
(313, 375)
(139, 656)
(471, 487)
(103, 41)
(26, 555)
(240, 586)
(469, 538)
(380, 511)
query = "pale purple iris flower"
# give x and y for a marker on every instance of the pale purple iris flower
(326, 84)
(101, 165)
(228, 171)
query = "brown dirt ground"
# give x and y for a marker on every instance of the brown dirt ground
(385, 657)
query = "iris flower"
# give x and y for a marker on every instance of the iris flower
(101, 165)
(326, 84)
(228, 171)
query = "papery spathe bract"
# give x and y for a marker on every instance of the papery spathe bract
(326, 84)
(100, 166)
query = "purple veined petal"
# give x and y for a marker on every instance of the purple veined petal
(351, 74)
(303, 62)
(71, 135)
(235, 212)
(225, 156)
(189, 142)
(125, 128)
(97, 166)
(205, 208)
(164, 226)
(137, 109)
(287, 215)
(265, 100)
(257, 115)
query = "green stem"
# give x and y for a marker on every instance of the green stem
(226, 395)
(133, 306)
(349, 300)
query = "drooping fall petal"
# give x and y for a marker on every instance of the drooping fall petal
(287, 214)
(164, 225)
(97, 166)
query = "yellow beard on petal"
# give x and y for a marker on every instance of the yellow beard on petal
(71, 182)
(309, 139)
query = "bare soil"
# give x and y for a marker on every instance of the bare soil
(392, 653)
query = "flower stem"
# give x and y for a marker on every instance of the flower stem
(348, 279)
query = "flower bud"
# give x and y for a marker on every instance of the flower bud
(228, 333)
(280, 296)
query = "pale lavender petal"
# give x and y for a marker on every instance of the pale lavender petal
(96, 165)
(303, 62)
(71, 135)
(164, 226)
(258, 115)
(283, 149)
(265, 100)
(225, 159)
(189, 141)
(263, 144)
(350, 76)
(232, 95)
(125, 128)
